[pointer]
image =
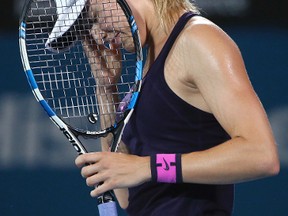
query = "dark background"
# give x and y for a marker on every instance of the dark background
(37, 172)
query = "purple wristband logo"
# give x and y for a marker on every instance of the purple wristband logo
(166, 164)
(166, 168)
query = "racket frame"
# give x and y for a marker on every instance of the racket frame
(106, 203)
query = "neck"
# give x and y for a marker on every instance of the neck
(147, 21)
(151, 33)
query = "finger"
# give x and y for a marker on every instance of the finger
(95, 180)
(101, 47)
(115, 46)
(100, 189)
(90, 170)
(91, 47)
(88, 158)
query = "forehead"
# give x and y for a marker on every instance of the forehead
(103, 7)
(108, 10)
(103, 4)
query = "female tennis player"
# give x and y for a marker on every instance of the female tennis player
(198, 127)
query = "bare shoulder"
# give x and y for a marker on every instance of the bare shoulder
(207, 58)
(205, 45)
(202, 32)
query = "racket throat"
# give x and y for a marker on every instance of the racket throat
(72, 138)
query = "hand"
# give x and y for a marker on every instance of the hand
(113, 170)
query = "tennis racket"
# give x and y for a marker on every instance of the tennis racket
(83, 60)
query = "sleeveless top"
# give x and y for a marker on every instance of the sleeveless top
(164, 123)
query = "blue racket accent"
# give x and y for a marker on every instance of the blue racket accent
(31, 79)
(133, 100)
(47, 108)
(134, 27)
(34, 87)
(22, 33)
(139, 70)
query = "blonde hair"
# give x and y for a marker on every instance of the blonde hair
(170, 10)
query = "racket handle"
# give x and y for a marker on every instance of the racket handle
(108, 209)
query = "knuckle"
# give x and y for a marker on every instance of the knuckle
(83, 172)
(89, 182)
(112, 183)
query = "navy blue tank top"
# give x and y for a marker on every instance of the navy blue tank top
(164, 123)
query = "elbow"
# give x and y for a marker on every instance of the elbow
(273, 168)
(123, 204)
(266, 158)
(270, 165)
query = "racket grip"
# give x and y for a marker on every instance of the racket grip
(107, 205)
(108, 209)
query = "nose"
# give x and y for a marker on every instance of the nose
(98, 34)
(104, 35)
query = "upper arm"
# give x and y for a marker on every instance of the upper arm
(219, 73)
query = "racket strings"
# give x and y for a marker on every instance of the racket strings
(83, 79)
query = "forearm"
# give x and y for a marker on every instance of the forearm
(122, 197)
(234, 161)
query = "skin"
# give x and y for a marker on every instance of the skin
(215, 81)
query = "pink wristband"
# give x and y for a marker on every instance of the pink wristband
(166, 168)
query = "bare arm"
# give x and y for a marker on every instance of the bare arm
(219, 73)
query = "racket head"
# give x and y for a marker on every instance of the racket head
(85, 72)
